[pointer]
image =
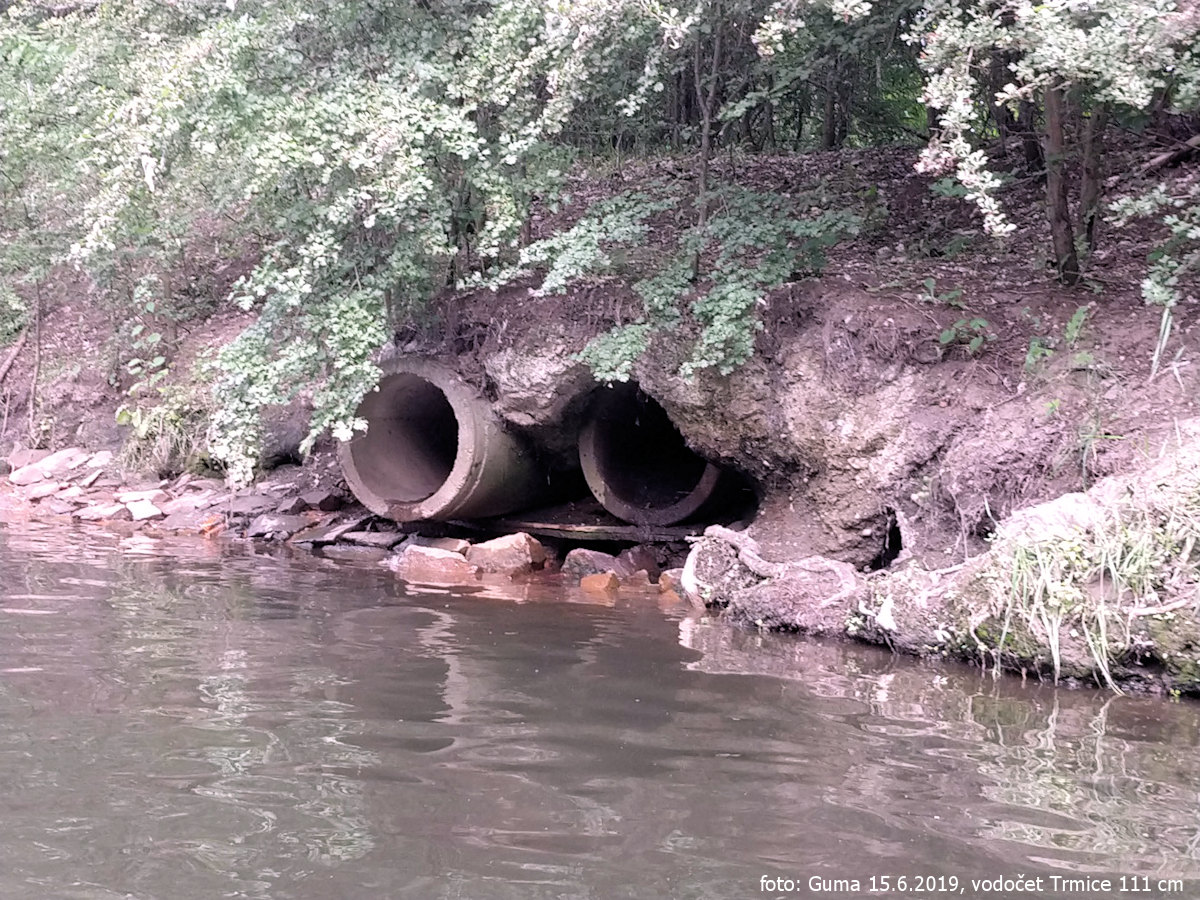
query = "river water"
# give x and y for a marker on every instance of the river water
(195, 720)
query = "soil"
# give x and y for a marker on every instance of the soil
(854, 422)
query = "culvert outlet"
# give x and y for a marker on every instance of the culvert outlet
(636, 462)
(433, 449)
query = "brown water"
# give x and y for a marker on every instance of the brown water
(195, 721)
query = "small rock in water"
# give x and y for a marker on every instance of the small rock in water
(600, 583)
(384, 539)
(454, 545)
(113, 511)
(281, 527)
(580, 562)
(433, 565)
(508, 555)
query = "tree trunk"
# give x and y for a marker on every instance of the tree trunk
(706, 100)
(1065, 259)
(1093, 171)
(1035, 160)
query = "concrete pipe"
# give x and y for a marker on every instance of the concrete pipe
(637, 463)
(434, 449)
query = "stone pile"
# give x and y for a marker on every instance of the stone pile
(77, 485)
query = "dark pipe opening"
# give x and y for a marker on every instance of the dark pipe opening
(892, 543)
(411, 446)
(645, 458)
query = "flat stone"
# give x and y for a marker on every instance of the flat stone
(193, 521)
(251, 504)
(291, 506)
(508, 555)
(187, 502)
(601, 583)
(327, 534)
(70, 492)
(454, 545)
(433, 565)
(96, 513)
(383, 539)
(100, 459)
(23, 457)
(153, 496)
(58, 507)
(326, 501)
(45, 489)
(142, 509)
(62, 461)
(581, 561)
(88, 480)
(279, 527)
(353, 552)
(26, 475)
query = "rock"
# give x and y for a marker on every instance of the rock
(62, 461)
(98, 512)
(188, 502)
(600, 583)
(670, 580)
(431, 564)
(353, 552)
(508, 555)
(292, 506)
(155, 495)
(454, 545)
(280, 527)
(384, 539)
(100, 460)
(58, 507)
(193, 521)
(70, 492)
(88, 480)
(327, 534)
(580, 562)
(142, 509)
(45, 489)
(26, 475)
(326, 501)
(23, 457)
(638, 559)
(251, 504)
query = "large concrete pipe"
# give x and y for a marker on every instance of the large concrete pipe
(434, 449)
(636, 462)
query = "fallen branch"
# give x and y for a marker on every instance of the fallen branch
(1171, 157)
(12, 355)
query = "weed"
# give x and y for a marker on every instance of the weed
(1039, 350)
(952, 297)
(1075, 326)
(973, 334)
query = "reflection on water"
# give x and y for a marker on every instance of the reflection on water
(194, 720)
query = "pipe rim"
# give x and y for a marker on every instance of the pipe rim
(590, 456)
(451, 494)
